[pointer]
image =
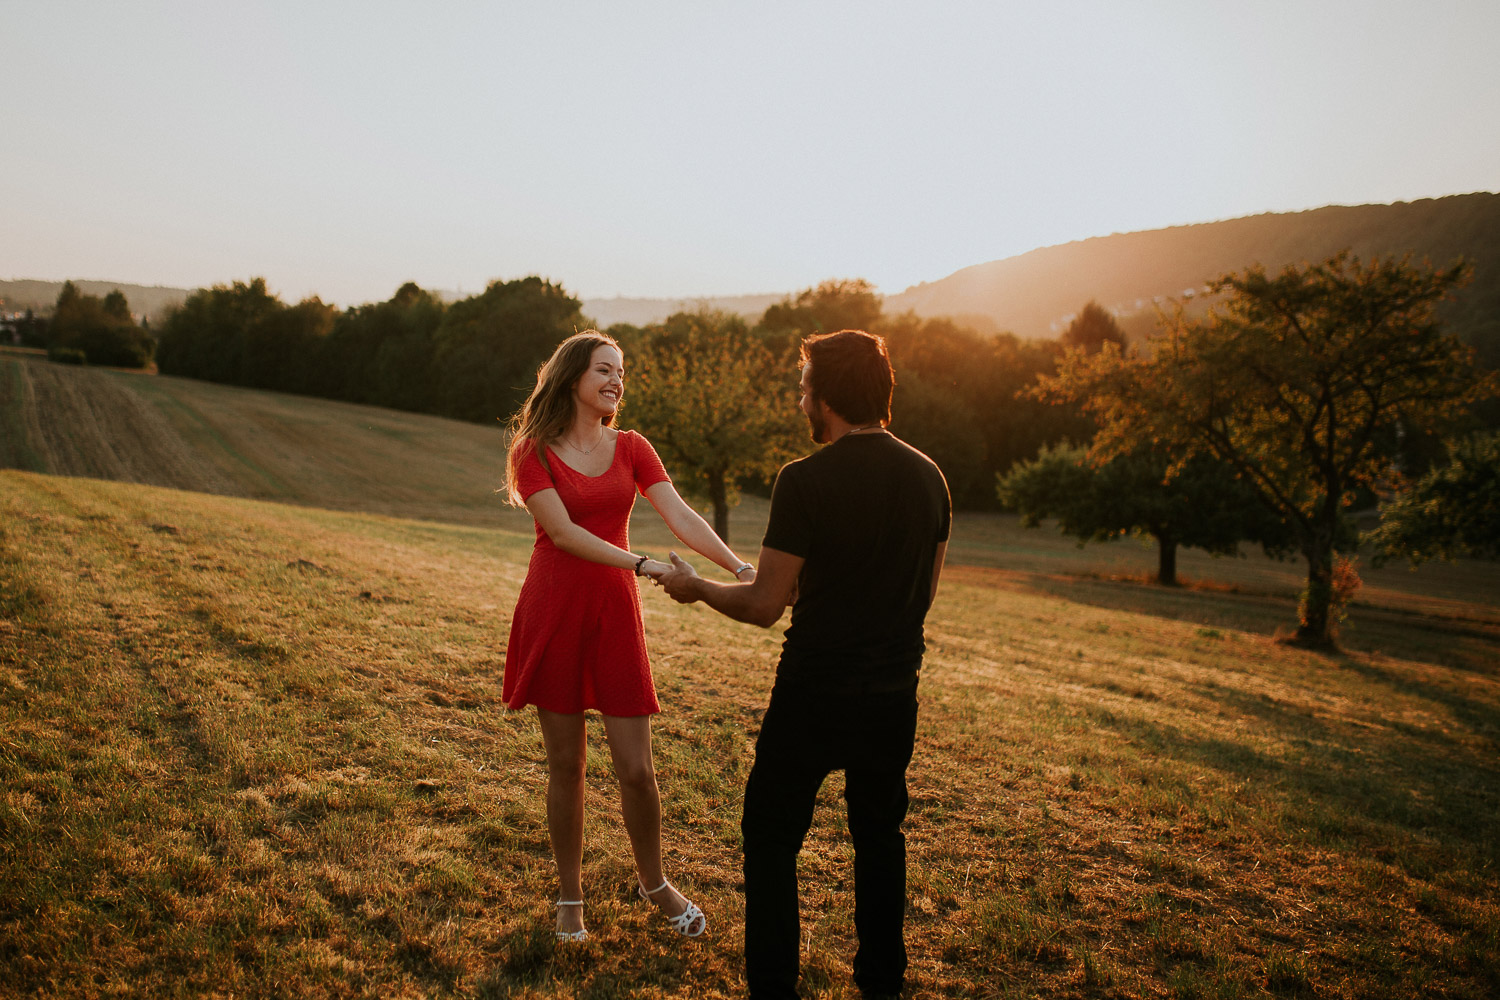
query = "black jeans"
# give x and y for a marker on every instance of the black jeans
(805, 735)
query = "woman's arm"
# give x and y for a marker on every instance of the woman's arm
(547, 507)
(688, 525)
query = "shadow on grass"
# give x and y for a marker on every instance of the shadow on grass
(1344, 784)
(1465, 643)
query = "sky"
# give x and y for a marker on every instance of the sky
(702, 148)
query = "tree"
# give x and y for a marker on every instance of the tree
(960, 397)
(242, 334)
(488, 347)
(1092, 328)
(1301, 382)
(834, 305)
(1453, 510)
(382, 353)
(101, 329)
(205, 336)
(1203, 506)
(716, 403)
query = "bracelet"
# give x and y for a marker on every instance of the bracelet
(639, 563)
(742, 568)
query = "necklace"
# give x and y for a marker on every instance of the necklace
(866, 427)
(590, 451)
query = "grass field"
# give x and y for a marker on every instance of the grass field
(256, 748)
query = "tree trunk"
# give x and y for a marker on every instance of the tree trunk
(719, 497)
(1166, 560)
(1314, 611)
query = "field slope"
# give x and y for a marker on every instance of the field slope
(256, 748)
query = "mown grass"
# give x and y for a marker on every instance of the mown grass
(256, 749)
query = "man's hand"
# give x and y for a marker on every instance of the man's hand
(679, 582)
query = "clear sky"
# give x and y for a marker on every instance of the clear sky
(702, 148)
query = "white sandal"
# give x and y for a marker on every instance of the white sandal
(684, 922)
(581, 935)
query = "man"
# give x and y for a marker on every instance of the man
(855, 543)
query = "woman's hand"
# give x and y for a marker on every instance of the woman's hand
(654, 568)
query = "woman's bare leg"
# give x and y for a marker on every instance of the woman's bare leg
(640, 802)
(567, 752)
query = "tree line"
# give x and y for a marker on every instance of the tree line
(958, 393)
(1267, 416)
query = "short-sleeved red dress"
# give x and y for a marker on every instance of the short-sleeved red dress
(576, 638)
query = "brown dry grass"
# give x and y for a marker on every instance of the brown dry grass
(256, 749)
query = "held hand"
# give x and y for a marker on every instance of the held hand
(654, 568)
(679, 582)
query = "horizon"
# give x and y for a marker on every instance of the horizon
(341, 157)
(454, 294)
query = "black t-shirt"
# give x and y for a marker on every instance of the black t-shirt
(867, 514)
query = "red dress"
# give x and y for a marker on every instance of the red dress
(576, 638)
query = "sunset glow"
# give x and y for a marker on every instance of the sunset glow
(686, 149)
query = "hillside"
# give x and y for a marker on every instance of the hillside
(151, 302)
(640, 312)
(260, 750)
(1033, 294)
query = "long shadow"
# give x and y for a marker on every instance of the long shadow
(1348, 785)
(1464, 643)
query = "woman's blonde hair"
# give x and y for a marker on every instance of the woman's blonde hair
(548, 412)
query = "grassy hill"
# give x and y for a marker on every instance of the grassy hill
(1033, 294)
(257, 747)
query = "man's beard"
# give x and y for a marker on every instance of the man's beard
(819, 427)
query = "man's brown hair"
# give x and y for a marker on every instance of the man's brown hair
(851, 372)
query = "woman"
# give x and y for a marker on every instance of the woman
(576, 639)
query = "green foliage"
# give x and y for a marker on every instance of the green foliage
(715, 401)
(1092, 328)
(1452, 511)
(99, 329)
(489, 347)
(961, 398)
(834, 305)
(381, 353)
(1303, 383)
(242, 334)
(1204, 505)
(474, 360)
(959, 394)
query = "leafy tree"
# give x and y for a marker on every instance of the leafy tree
(242, 334)
(1203, 506)
(277, 350)
(205, 336)
(32, 329)
(1453, 510)
(943, 426)
(1300, 382)
(382, 353)
(1092, 328)
(834, 305)
(102, 330)
(488, 347)
(716, 403)
(960, 397)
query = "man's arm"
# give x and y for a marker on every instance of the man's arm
(760, 602)
(937, 567)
